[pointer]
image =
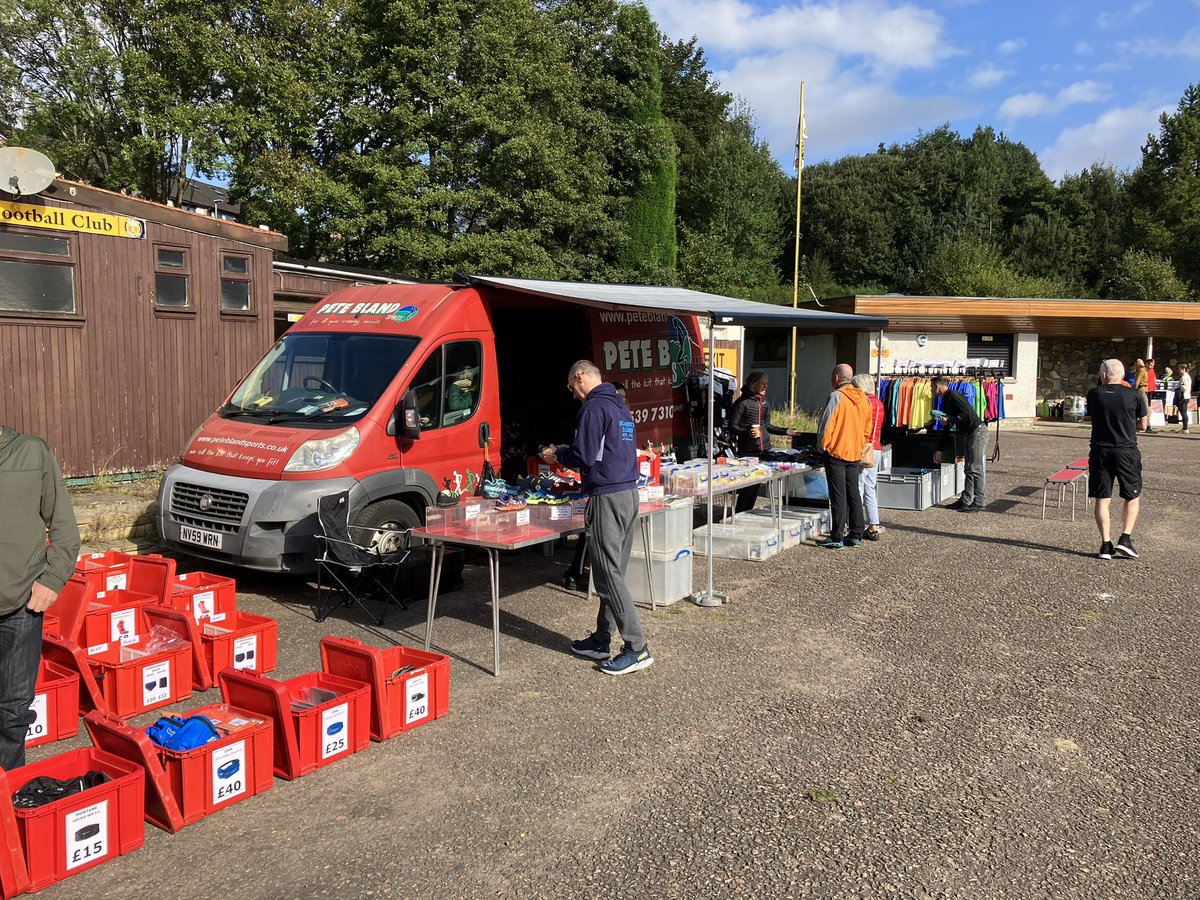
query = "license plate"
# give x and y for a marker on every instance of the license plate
(209, 539)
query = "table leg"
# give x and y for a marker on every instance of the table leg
(645, 523)
(494, 573)
(435, 581)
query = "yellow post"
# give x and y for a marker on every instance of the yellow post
(796, 271)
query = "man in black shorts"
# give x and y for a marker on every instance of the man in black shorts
(1118, 412)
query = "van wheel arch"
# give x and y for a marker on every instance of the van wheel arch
(389, 514)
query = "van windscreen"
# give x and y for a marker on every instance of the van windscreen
(320, 378)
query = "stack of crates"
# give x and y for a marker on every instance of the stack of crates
(671, 557)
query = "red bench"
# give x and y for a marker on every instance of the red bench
(1062, 478)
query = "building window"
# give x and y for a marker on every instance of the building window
(996, 348)
(37, 274)
(171, 274)
(235, 282)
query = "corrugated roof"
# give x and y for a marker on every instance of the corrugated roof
(723, 310)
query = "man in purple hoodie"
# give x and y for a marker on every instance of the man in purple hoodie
(604, 452)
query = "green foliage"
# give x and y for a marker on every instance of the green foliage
(1148, 276)
(1166, 190)
(971, 267)
(731, 245)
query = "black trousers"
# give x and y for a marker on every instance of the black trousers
(844, 498)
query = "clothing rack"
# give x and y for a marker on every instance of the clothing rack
(961, 370)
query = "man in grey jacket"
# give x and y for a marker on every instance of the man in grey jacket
(38, 547)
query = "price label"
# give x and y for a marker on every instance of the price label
(96, 648)
(245, 652)
(156, 683)
(203, 605)
(559, 513)
(472, 511)
(122, 626)
(657, 492)
(116, 582)
(416, 698)
(335, 723)
(86, 833)
(522, 517)
(228, 772)
(37, 728)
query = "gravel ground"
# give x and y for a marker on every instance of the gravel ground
(973, 707)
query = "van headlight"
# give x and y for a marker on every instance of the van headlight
(323, 453)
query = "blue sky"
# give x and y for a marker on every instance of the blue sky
(1076, 81)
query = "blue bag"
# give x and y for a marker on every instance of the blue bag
(183, 733)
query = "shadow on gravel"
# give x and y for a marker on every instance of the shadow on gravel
(988, 539)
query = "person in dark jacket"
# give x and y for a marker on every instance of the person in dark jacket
(961, 417)
(750, 423)
(577, 573)
(39, 542)
(604, 453)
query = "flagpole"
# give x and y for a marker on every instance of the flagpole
(796, 269)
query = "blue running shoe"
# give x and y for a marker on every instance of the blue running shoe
(592, 648)
(627, 661)
(830, 544)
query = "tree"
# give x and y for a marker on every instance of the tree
(647, 150)
(1096, 206)
(1148, 276)
(1166, 189)
(733, 244)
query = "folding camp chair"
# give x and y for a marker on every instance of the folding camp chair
(355, 561)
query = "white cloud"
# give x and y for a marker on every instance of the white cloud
(887, 34)
(1187, 46)
(845, 109)
(1014, 44)
(987, 75)
(1023, 106)
(1083, 48)
(1116, 138)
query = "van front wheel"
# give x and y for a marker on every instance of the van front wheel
(388, 522)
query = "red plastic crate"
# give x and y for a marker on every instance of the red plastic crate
(70, 607)
(242, 641)
(184, 786)
(55, 705)
(305, 739)
(50, 623)
(399, 700)
(14, 876)
(134, 686)
(115, 616)
(74, 834)
(70, 656)
(107, 571)
(207, 597)
(649, 466)
(180, 623)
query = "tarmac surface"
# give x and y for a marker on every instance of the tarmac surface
(972, 707)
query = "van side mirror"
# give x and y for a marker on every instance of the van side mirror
(408, 416)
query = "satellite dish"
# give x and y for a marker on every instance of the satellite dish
(24, 172)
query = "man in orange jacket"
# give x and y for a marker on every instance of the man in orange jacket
(842, 436)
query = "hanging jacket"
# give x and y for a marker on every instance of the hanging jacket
(845, 424)
(604, 451)
(36, 508)
(752, 409)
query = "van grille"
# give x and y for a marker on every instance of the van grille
(224, 512)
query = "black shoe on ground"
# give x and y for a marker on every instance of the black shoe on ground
(1106, 550)
(971, 509)
(957, 504)
(591, 648)
(1125, 547)
(870, 535)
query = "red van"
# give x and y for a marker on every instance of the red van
(394, 391)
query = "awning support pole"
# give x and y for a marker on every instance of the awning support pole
(710, 597)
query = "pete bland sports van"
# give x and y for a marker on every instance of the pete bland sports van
(392, 393)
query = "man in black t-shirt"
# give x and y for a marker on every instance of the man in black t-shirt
(1118, 412)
